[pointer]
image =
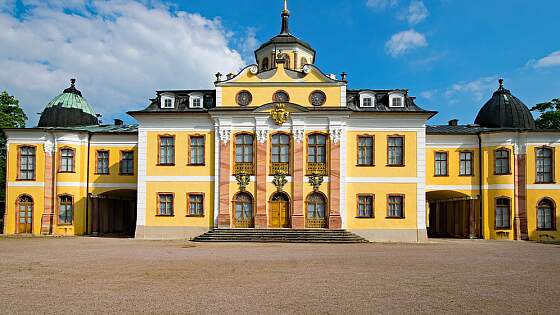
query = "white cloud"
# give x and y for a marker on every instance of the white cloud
(415, 13)
(552, 60)
(402, 42)
(381, 4)
(120, 51)
(428, 94)
(481, 88)
(249, 44)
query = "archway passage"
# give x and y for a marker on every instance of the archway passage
(280, 211)
(114, 213)
(453, 214)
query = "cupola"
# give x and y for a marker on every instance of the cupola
(292, 51)
(504, 110)
(69, 109)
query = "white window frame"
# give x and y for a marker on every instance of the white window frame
(396, 95)
(196, 96)
(165, 97)
(365, 95)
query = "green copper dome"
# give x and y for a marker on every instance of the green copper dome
(68, 109)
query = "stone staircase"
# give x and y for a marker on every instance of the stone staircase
(279, 236)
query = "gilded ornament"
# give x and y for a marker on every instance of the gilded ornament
(280, 114)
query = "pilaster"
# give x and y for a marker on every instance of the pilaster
(298, 221)
(260, 213)
(224, 218)
(334, 179)
(47, 218)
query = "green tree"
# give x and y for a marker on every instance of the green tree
(549, 114)
(11, 116)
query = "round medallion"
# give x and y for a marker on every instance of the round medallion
(244, 98)
(281, 97)
(317, 98)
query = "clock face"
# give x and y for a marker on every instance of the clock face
(244, 98)
(317, 98)
(281, 97)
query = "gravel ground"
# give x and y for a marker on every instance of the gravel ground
(95, 275)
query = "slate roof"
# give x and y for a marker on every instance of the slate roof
(382, 102)
(181, 102)
(504, 110)
(68, 109)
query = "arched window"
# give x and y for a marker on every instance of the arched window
(503, 213)
(280, 148)
(25, 214)
(264, 64)
(545, 215)
(544, 165)
(501, 162)
(244, 148)
(316, 208)
(243, 210)
(65, 210)
(280, 96)
(66, 160)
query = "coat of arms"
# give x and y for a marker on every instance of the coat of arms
(280, 114)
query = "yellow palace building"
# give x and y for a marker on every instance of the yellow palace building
(282, 145)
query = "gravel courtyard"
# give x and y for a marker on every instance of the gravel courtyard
(87, 275)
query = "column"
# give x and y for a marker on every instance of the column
(334, 180)
(47, 217)
(260, 213)
(520, 219)
(224, 218)
(472, 219)
(298, 221)
(95, 216)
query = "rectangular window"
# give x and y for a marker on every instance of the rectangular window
(65, 210)
(196, 150)
(165, 204)
(196, 205)
(544, 165)
(367, 102)
(66, 161)
(397, 102)
(127, 163)
(167, 150)
(395, 148)
(244, 148)
(103, 162)
(501, 162)
(465, 163)
(197, 102)
(441, 164)
(395, 205)
(365, 206)
(26, 163)
(502, 213)
(365, 150)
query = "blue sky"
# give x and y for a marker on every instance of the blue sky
(448, 53)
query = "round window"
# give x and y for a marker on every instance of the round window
(244, 98)
(317, 98)
(280, 97)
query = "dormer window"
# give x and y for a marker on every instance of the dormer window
(167, 101)
(396, 99)
(367, 99)
(195, 100)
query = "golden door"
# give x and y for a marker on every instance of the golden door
(25, 217)
(279, 214)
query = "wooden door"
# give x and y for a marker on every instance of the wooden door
(279, 214)
(25, 215)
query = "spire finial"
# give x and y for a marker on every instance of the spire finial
(285, 19)
(501, 82)
(72, 82)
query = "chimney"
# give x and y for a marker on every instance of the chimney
(118, 122)
(453, 122)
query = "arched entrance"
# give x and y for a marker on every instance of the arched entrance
(113, 213)
(316, 207)
(24, 214)
(243, 205)
(453, 214)
(280, 210)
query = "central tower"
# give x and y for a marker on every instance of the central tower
(285, 48)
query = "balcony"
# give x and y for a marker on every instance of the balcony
(244, 168)
(279, 168)
(317, 168)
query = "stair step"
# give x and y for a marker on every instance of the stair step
(280, 236)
